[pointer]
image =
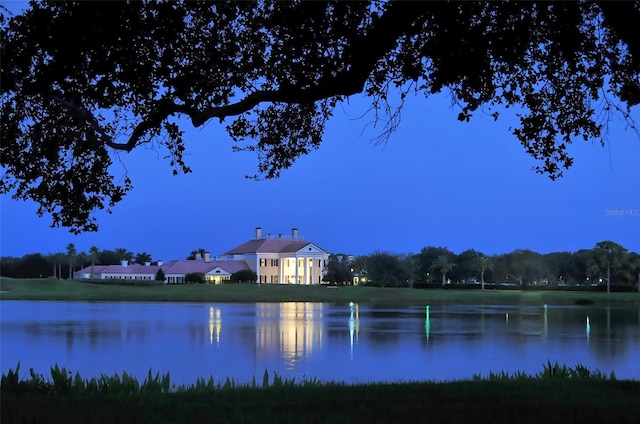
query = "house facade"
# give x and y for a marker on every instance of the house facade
(276, 260)
(124, 271)
(282, 259)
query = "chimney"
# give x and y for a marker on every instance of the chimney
(258, 233)
(294, 233)
(147, 264)
(207, 257)
(198, 257)
(280, 235)
(160, 263)
(124, 262)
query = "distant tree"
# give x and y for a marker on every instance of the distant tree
(610, 257)
(359, 266)
(634, 269)
(103, 77)
(244, 276)
(56, 260)
(443, 265)
(338, 269)
(386, 270)
(195, 277)
(71, 256)
(160, 275)
(32, 265)
(94, 255)
(8, 265)
(194, 253)
(412, 268)
(142, 258)
(466, 265)
(110, 257)
(124, 254)
(483, 264)
(427, 256)
(562, 266)
(523, 264)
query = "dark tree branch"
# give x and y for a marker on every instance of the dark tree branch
(623, 17)
(362, 55)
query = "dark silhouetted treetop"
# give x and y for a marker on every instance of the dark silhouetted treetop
(82, 81)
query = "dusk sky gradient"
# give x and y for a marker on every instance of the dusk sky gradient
(436, 182)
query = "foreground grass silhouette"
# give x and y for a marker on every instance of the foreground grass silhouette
(558, 394)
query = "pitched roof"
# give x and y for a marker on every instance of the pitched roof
(119, 269)
(268, 245)
(172, 267)
(189, 266)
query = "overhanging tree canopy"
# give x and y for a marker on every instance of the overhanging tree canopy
(82, 81)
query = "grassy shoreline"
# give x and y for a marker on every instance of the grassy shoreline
(47, 289)
(558, 394)
(460, 402)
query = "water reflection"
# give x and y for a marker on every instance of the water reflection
(354, 326)
(215, 325)
(295, 333)
(427, 323)
(352, 342)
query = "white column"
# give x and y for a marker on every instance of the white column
(304, 271)
(313, 271)
(296, 259)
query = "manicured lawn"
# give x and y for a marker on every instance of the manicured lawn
(46, 289)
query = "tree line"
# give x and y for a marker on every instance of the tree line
(606, 264)
(61, 265)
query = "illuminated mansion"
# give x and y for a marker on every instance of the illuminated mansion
(276, 260)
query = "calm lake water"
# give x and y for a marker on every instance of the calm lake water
(351, 343)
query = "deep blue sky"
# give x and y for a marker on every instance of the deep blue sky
(437, 182)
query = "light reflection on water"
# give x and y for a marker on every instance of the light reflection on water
(352, 342)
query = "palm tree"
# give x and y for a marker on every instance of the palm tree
(483, 264)
(57, 259)
(142, 257)
(94, 252)
(124, 254)
(200, 251)
(71, 254)
(442, 265)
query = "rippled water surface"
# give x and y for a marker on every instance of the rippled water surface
(351, 343)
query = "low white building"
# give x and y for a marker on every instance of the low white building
(276, 260)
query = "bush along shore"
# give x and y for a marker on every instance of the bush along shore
(556, 394)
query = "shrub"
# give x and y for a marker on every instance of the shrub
(244, 276)
(194, 277)
(160, 275)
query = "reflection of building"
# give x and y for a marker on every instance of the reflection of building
(215, 325)
(293, 328)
